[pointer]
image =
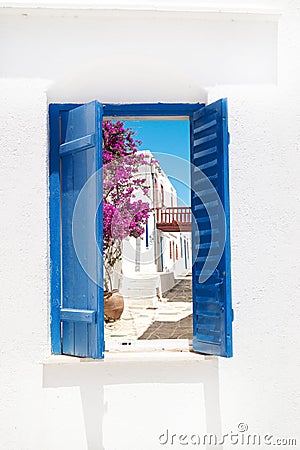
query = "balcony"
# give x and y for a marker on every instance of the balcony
(174, 219)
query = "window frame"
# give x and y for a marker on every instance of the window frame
(110, 111)
(163, 110)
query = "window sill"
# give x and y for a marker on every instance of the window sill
(130, 357)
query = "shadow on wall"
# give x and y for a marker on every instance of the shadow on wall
(93, 377)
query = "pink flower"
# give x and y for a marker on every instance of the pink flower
(123, 216)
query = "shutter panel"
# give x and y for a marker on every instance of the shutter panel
(81, 314)
(212, 310)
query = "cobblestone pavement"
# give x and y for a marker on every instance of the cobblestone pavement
(180, 329)
(172, 319)
(181, 292)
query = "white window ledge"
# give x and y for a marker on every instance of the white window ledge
(120, 357)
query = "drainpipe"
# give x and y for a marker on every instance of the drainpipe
(154, 217)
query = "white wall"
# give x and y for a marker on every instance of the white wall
(131, 253)
(95, 54)
(24, 308)
(180, 263)
(80, 406)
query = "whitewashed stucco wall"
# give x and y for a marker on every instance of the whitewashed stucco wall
(24, 308)
(81, 405)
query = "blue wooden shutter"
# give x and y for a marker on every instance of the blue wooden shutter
(212, 310)
(80, 154)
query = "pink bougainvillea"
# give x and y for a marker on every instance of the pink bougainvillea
(117, 141)
(124, 213)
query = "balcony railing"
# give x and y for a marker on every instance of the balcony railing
(174, 219)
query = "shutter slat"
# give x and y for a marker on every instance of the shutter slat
(207, 245)
(208, 219)
(212, 178)
(212, 204)
(208, 304)
(209, 336)
(208, 151)
(208, 165)
(205, 126)
(208, 232)
(200, 259)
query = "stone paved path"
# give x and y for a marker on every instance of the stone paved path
(181, 329)
(170, 330)
(181, 292)
(171, 320)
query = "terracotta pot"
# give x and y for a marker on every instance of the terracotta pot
(113, 305)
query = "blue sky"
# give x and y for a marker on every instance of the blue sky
(165, 136)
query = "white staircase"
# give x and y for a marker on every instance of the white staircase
(141, 290)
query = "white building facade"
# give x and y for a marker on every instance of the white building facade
(150, 264)
(160, 51)
(157, 251)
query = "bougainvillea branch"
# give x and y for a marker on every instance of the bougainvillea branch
(124, 213)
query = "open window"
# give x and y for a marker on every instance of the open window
(77, 313)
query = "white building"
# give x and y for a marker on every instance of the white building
(154, 51)
(167, 254)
